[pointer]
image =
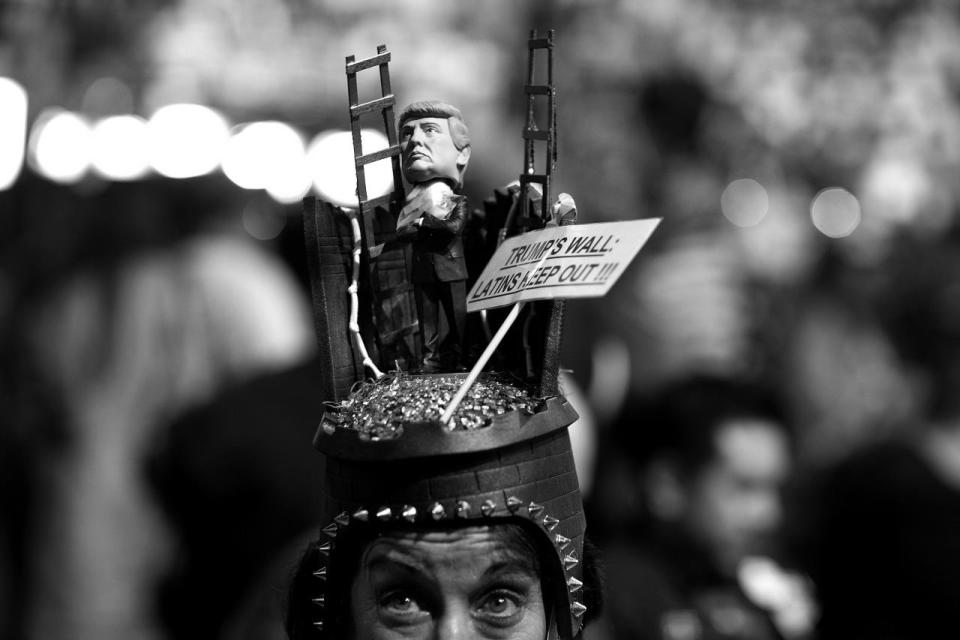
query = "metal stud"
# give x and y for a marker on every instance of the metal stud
(409, 513)
(574, 585)
(320, 600)
(384, 513)
(463, 509)
(437, 512)
(324, 548)
(570, 561)
(331, 530)
(342, 519)
(550, 522)
(361, 514)
(561, 541)
(487, 508)
(577, 609)
(534, 509)
(320, 573)
(514, 503)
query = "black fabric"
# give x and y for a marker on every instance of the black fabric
(239, 481)
(442, 307)
(660, 586)
(439, 275)
(438, 248)
(887, 563)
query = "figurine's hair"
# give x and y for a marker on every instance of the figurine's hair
(459, 131)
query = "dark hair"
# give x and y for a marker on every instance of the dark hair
(681, 419)
(344, 564)
(918, 307)
(459, 132)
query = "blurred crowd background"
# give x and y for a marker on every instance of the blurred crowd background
(155, 328)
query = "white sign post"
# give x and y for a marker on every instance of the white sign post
(573, 261)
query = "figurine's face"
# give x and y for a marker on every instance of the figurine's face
(428, 151)
(458, 584)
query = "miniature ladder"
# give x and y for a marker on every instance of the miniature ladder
(367, 206)
(384, 104)
(532, 133)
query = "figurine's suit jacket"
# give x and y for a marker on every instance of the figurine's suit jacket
(438, 248)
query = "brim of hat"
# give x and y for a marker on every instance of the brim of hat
(429, 439)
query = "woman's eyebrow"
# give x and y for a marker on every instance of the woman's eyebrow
(518, 567)
(389, 558)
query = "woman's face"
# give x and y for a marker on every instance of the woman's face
(458, 584)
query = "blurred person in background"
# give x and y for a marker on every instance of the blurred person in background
(886, 552)
(690, 495)
(238, 483)
(147, 314)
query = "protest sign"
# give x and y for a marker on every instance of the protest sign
(574, 261)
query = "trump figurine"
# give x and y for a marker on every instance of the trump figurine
(435, 150)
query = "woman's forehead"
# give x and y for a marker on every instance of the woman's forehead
(486, 544)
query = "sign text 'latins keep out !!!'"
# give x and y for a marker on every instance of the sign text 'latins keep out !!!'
(575, 261)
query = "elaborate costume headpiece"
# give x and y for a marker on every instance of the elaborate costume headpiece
(518, 468)
(390, 462)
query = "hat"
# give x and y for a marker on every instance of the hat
(517, 468)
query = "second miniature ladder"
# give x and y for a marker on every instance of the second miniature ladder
(532, 133)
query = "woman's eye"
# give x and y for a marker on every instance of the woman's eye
(400, 604)
(501, 607)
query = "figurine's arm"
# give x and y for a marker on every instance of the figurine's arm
(452, 223)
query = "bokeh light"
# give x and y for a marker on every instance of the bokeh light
(330, 158)
(119, 147)
(271, 156)
(60, 144)
(13, 130)
(745, 202)
(896, 188)
(186, 140)
(263, 222)
(291, 185)
(785, 247)
(835, 212)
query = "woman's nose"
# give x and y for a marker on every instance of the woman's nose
(454, 625)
